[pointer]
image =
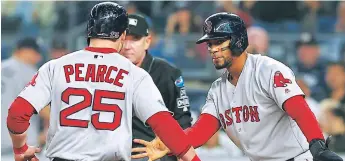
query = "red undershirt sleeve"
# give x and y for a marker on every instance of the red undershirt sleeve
(298, 109)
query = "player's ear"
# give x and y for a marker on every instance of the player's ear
(123, 36)
(147, 42)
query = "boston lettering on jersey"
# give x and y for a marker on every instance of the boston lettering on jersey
(242, 113)
(99, 73)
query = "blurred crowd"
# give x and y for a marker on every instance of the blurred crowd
(318, 63)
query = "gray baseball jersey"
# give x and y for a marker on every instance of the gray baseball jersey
(92, 97)
(15, 74)
(251, 112)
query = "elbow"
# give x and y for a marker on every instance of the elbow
(19, 115)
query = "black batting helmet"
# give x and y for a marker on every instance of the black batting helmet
(107, 20)
(226, 26)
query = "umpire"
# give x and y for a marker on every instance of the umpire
(167, 78)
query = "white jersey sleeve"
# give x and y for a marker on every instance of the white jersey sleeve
(147, 99)
(38, 90)
(210, 106)
(282, 84)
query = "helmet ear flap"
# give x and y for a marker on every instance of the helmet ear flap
(232, 46)
(90, 28)
(90, 25)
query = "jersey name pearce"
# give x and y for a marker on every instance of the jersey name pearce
(95, 73)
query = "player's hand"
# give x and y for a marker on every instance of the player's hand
(320, 151)
(153, 150)
(28, 155)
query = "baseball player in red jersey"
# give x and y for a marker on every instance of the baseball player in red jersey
(256, 101)
(92, 95)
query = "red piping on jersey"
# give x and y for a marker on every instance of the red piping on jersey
(101, 50)
(19, 115)
(298, 109)
(170, 132)
(206, 126)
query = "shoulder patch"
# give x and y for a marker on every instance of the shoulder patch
(179, 82)
(280, 80)
(33, 80)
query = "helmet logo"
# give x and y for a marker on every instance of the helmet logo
(208, 27)
(239, 42)
(114, 34)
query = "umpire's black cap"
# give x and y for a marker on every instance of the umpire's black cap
(137, 25)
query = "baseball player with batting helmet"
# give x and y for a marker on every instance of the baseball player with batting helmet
(93, 94)
(256, 101)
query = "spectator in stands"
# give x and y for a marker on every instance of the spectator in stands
(335, 78)
(242, 10)
(157, 46)
(16, 73)
(45, 12)
(310, 15)
(318, 16)
(340, 26)
(131, 8)
(182, 21)
(214, 148)
(326, 107)
(276, 16)
(258, 40)
(309, 67)
(58, 49)
(337, 129)
(30, 20)
(313, 104)
(35, 15)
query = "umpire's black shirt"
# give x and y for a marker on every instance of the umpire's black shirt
(170, 83)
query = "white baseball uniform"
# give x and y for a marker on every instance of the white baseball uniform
(252, 112)
(91, 96)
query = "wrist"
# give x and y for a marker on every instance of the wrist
(316, 140)
(20, 150)
(317, 145)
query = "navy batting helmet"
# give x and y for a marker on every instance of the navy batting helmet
(226, 26)
(107, 20)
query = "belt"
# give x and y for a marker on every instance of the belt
(60, 159)
(292, 159)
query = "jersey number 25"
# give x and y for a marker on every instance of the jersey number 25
(96, 106)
